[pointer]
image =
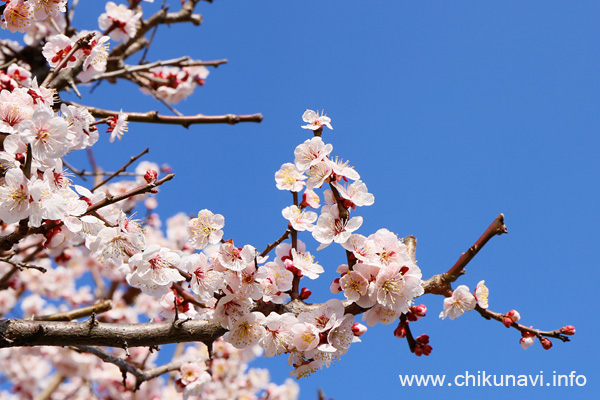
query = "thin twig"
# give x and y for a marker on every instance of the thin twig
(185, 121)
(139, 190)
(488, 314)
(98, 308)
(122, 169)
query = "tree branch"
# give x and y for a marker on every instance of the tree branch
(185, 121)
(441, 283)
(488, 314)
(19, 332)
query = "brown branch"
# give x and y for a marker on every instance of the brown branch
(155, 118)
(82, 312)
(136, 43)
(488, 314)
(139, 190)
(275, 243)
(122, 169)
(141, 376)
(441, 284)
(19, 332)
(180, 62)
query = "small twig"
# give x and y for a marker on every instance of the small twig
(82, 312)
(51, 387)
(21, 265)
(496, 228)
(140, 190)
(488, 314)
(122, 169)
(180, 62)
(441, 283)
(275, 243)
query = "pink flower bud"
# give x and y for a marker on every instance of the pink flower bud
(424, 339)
(507, 322)
(416, 312)
(150, 176)
(514, 315)
(567, 330)
(400, 331)
(20, 157)
(358, 329)
(335, 287)
(546, 344)
(305, 293)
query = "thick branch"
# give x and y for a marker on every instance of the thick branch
(18, 332)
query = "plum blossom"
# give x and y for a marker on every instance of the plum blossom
(14, 196)
(234, 258)
(354, 285)
(194, 376)
(277, 281)
(15, 107)
(205, 281)
(123, 21)
(154, 269)
(306, 264)
(246, 330)
(481, 294)
(331, 228)
(117, 126)
(57, 48)
(356, 193)
(206, 229)
(311, 152)
(301, 220)
(43, 9)
(460, 302)
(289, 178)
(48, 135)
(18, 15)
(315, 121)
(396, 287)
(278, 336)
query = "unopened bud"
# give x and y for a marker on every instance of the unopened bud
(567, 330)
(358, 329)
(507, 322)
(335, 287)
(150, 176)
(416, 312)
(546, 344)
(305, 293)
(514, 315)
(20, 157)
(400, 331)
(423, 339)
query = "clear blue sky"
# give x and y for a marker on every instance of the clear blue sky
(452, 112)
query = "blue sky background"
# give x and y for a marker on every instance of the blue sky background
(452, 112)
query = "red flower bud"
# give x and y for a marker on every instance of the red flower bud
(358, 329)
(546, 344)
(507, 322)
(567, 330)
(400, 331)
(305, 293)
(150, 176)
